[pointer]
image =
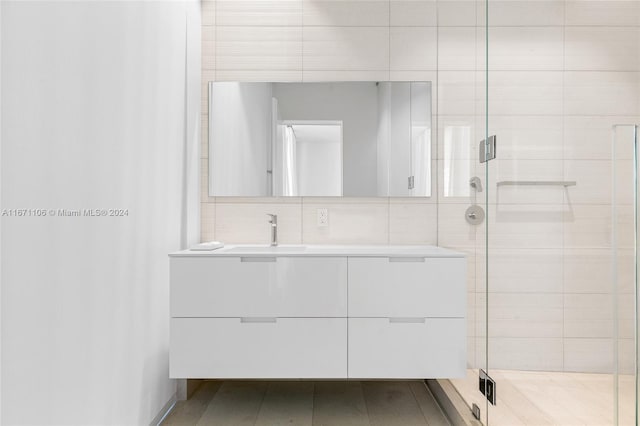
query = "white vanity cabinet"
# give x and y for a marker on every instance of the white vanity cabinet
(406, 317)
(258, 317)
(322, 312)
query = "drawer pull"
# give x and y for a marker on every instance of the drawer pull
(407, 320)
(257, 259)
(406, 259)
(257, 320)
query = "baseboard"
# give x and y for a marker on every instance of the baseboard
(453, 405)
(164, 412)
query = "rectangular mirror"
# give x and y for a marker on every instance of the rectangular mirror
(356, 139)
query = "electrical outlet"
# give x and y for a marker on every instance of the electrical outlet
(323, 217)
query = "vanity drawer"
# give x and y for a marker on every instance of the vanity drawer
(407, 287)
(404, 348)
(259, 286)
(261, 348)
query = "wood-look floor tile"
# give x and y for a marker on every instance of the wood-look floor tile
(339, 404)
(287, 403)
(392, 404)
(428, 405)
(235, 404)
(187, 413)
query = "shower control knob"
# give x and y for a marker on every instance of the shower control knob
(474, 215)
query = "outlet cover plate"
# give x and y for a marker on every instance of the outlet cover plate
(323, 217)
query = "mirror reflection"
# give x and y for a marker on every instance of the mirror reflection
(320, 139)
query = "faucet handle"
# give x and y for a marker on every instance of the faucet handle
(274, 218)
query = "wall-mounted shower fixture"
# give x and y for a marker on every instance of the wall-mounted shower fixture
(476, 183)
(474, 215)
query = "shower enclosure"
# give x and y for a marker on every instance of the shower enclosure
(550, 225)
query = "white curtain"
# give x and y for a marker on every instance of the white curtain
(289, 169)
(457, 160)
(421, 158)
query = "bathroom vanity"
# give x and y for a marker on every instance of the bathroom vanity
(356, 312)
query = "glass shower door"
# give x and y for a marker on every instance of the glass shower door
(624, 272)
(558, 258)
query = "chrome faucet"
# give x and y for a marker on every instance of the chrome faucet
(274, 228)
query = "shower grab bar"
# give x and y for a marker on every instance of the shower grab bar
(564, 183)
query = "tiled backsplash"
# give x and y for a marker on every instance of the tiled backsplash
(561, 74)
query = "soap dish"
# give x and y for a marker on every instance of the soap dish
(211, 245)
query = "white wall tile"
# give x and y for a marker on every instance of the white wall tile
(602, 48)
(208, 47)
(525, 93)
(536, 354)
(246, 223)
(346, 48)
(602, 12)
(457, 92)
(349, 222)
(593, 181)
(259, 12)
(589, 270)
(208, 221)
(259, 75)
(208, 12)
(518, 271)
(626, 317)
(346, 12)
(601, 93)
(457, 13)
(413, 223)
(520, 315)
(588, 315)
(525, 225)
(414, 48)
(357, 75)
(523, 137)
(590, 137)
(457, 48)
(360, 75)
(413, 13)
(259, 48)
(588, 355)
(626, 356)
(204, 136)
(522, 13)
(590, 226)
(524, 48)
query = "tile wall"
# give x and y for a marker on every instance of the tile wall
(561, 74)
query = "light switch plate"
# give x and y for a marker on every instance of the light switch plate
(323, 217)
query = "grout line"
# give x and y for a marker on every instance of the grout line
(264, 396)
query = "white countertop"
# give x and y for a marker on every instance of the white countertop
(302, 250)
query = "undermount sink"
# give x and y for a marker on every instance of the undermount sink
(267, 249)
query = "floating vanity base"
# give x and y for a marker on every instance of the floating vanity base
(318, 312)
